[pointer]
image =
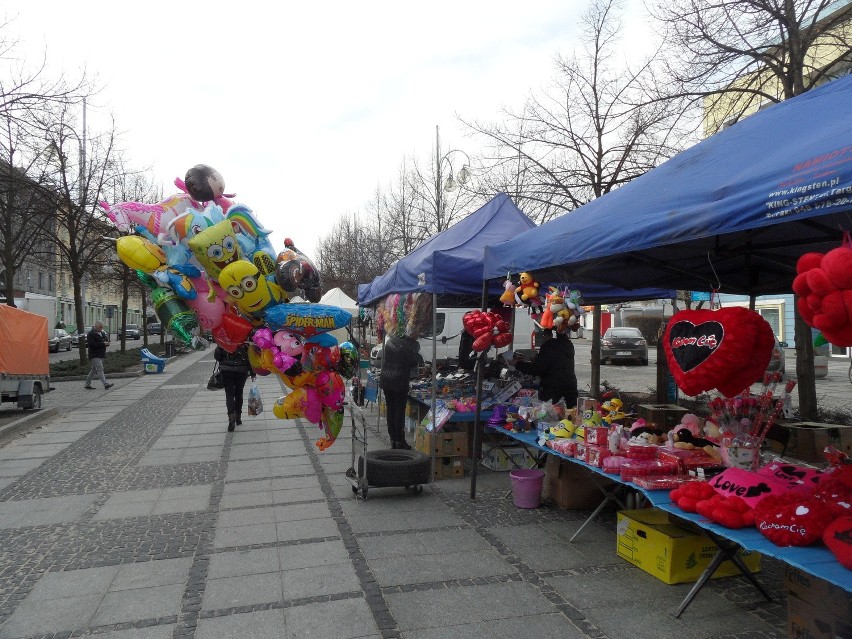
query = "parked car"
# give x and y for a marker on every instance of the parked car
(624, 343)
(61, 341)
(155, 328)
(131, 331)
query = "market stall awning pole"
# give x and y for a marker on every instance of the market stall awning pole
(477, 426)
(434, 379)
(595, 382)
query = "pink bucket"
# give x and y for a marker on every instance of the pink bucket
(526, 487)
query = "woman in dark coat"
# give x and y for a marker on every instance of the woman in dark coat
(235, 369)
(399, 357)
(554, 365)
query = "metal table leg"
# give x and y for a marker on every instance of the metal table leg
(609, 495)
(727, 550)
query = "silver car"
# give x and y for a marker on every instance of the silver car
(624, 343)
(61, 341)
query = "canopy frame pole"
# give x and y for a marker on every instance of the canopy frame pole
(477, 424)
(434, 368)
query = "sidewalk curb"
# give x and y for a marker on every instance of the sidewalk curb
(15, 427)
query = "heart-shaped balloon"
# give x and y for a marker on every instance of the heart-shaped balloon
(727, 349)
(232, 332)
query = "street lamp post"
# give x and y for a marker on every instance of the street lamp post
(452, 182)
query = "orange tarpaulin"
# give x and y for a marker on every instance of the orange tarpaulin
(23, 342)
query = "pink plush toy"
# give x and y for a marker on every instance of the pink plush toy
(692, 423)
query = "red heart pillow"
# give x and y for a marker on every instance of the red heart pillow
(838, 538)
(790, 520)
(727, 349)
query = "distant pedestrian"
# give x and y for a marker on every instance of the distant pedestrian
(235, 369)
(97, 341)
(554, 365)
(399, 365)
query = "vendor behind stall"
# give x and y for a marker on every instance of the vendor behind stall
(399, 365)
(554, 365)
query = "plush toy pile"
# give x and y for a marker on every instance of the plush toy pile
(788, 504)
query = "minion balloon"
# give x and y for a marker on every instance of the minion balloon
(249, 289)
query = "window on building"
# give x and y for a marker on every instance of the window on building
(772, 314)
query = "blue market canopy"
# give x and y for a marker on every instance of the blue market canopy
(451, 262)
(736, 210)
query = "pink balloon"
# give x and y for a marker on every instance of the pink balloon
(209, 313)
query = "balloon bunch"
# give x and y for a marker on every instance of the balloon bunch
(213, 270)
(487, 329)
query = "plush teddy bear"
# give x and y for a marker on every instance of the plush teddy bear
(527, 292)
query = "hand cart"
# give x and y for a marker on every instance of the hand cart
(383, 468)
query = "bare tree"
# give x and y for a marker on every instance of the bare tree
(26, 191)
(124, 184)
(84, 165)
(737, 55)
(589, 133)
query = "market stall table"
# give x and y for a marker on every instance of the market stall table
(815, 560)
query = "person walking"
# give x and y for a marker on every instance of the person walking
(97, 342)
(399, 358)
(554, 365)
(235, 369)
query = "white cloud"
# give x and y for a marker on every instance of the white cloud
(304, 109)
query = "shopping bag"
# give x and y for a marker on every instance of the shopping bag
(255, 404)
(216, 382)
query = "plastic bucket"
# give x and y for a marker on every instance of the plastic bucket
(526, 487)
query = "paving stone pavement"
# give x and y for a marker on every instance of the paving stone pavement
(133, 514)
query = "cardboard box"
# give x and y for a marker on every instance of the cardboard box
(651, 540)
(503, 395)
(664, 416)
(569, 486)
(815, 607)
(808, 439)
(507, 458)
(807, 621)
(444, 443)
(448, 467)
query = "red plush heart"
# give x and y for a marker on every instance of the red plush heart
(824, 287)
(837, 536)
(727, 349)
(790, 520)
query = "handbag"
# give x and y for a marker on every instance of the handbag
(255, 404)
(216, 382)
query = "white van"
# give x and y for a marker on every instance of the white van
(449, 329)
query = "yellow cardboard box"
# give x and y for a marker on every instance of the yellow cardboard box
(651, 540)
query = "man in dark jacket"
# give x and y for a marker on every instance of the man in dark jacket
(399, 357)
(97, 341)
(554, 365)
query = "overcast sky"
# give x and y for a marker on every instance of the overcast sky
(304, 109)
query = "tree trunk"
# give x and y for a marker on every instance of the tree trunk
(806, 381)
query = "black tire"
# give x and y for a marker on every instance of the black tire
(644, 362)
(396, 467)
(35, 399)
(68, 350)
